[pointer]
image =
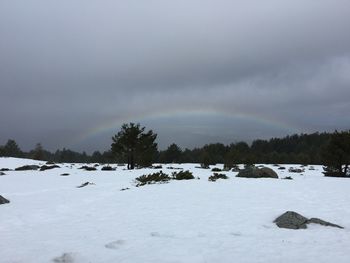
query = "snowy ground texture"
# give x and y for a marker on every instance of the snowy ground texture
(48, 219)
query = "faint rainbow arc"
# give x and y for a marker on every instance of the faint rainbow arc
(114, 124)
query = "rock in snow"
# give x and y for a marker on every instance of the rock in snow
(85, 184)
(48, 167)
(27, 167)
(254, 172)
(3, 200)
(293, 220)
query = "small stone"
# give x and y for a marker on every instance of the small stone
(85, 184)
(3, 200)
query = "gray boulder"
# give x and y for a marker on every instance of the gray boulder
(254, 172)
(293, 220)
(3, 200)
(27, 167)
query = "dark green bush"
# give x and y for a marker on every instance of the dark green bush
(182, 175)
(216, 169)
(217, 176)
(107, 168)
(158, 177)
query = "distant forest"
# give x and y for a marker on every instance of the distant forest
(302, 149)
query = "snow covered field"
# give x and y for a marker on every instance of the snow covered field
(49, 219)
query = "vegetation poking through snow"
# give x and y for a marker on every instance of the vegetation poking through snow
(158, 177)
(88, 168)
(217, 176)
(107, 168)
(182, 175)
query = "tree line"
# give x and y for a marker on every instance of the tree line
(133, 145)
(11, 149)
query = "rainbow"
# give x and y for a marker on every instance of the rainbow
(112, 126)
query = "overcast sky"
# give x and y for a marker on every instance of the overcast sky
(194, 71)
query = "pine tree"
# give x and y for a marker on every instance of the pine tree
(172, 154)
(135, 144)
(336, 155)
(205, 160)
(11, 149)
(38, 153)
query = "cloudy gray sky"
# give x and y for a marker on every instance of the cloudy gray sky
(194, 71)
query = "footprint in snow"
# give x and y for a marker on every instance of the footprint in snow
(115, 244)
(156, 234)
(65, 258)
(236, 234)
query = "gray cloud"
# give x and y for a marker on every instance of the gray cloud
(69, 66)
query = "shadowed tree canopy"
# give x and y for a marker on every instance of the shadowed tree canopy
(136, 145)
(38, 152)
(172, 154)
(336, 155)
(11, 149)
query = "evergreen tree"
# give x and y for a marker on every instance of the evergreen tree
(135, 144)
(38, 152)
(11, 149)
(172, 154)
(96, 157)
(231, 157)
(336, 155)
(205, 160)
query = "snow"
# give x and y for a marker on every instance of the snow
(48, 219)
